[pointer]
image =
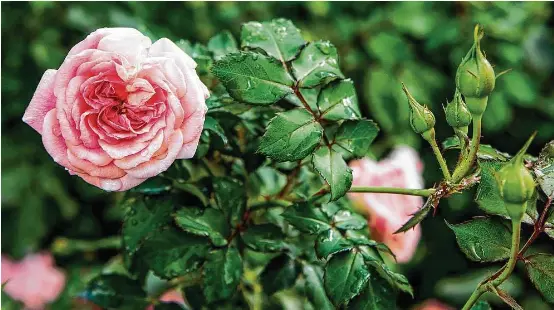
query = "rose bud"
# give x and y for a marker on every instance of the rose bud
(457, 114)
(421, 118)
(475, 76)
(516, 184)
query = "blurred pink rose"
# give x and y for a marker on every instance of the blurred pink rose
(170, 296)
(432, 304)
(388, 212)
(35, 280)
(120, 109)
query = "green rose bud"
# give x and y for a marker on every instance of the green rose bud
(421, 118)
(475, 76)
(516, 184)
(457, 114)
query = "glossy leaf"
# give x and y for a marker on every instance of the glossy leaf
(115, 291)
(141, 219)
(170, 253)
(264, 238)
(291, 135)
(345, 276)
(544, 169)
(222, 273)
(481, 305)
(356, 136)
(209, 223)
(483, 239)
(212, 125)
(278, 38)
(253, 78)
(540, 268)
(395, 279)
(330, 242)
(345, 219)
(279, 274)
(334, 170)
(306, 218)
(153, 186)
(315, 290)
(221, 44)
(318, 63)
(230, 196)
(378, 294)
(338, 101)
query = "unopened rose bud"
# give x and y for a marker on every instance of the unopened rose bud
(457, 114)
(516, 184)
(475, 76)
(421, 118)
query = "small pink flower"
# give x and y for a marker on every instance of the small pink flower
(432, 304)
(388, 212)
(120, 109)
(35, 280)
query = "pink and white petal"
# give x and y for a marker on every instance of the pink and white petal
(96, 156)
(132, 161)
(192, 129)
(109, 185)
(109, 171)
(128, 42)
(122, 148)
(42, 102)
(91, 41)
(188, 150)
(157, 166)
(128, 182)
(53, 141)
(68, 70)
(166, 48)
(195, 93)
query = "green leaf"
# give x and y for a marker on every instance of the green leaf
(291, 135)
(152, 186)
(221, 44)
(356, 136)
(330, 242)
(378, 294)
(318, 63)
(540, 268)
(483, 239)
(171, 253)
(315, 291)
(230, 196)
(488, 195)
(345, 219)
(264, 238)
(544, 169)
(306, 218)
(253, 78)
(212, 125)
(345, 276)
(279, 274)
(334, 170)
(338, 101)
(222, 273)
(481, 305)
(397, 280)
(193, 190)
(141, 219)
(115, 291)
(278, 38)
(209, 223)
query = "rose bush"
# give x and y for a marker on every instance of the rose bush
(120, 109)
(388, 212)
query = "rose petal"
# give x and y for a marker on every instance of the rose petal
(166, 48)
(42, 102)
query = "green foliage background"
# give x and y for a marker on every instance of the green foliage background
(381, 44)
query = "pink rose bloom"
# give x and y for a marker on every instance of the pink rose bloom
(35, 280)
(388, 212)
(432, 304)
(120, 109)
